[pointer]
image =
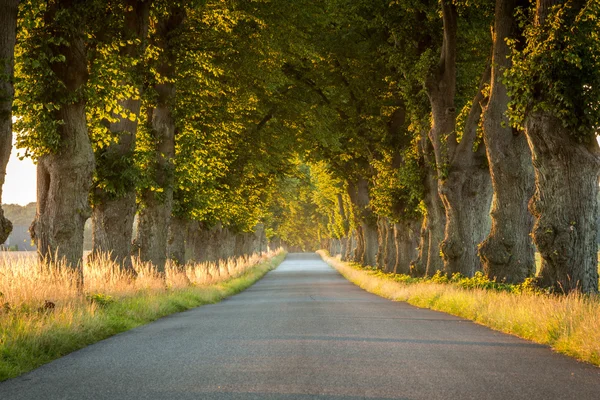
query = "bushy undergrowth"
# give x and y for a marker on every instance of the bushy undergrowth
(43, 317)
(570, 324)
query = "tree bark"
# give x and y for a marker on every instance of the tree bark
(343, 247)
(429, 260)
(112, 228)
(466, 193)
(151, 241)
(260, 239)
(8, 36)
(350, 247)
(358, 252)
(464, 182)
(417, 266)
(240, 239)
(178, 238)
(565, 204)
(391, 251)
(203, 245)
(367, 238)
(65, 177)
(406, 239)
(382, 244)
(113, 215)
(63, 183)
(508, 253)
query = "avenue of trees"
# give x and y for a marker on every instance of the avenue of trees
(416, 135)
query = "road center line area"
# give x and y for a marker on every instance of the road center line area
(304, 332)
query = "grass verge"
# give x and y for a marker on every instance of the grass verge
(569, 324)
(30, 337)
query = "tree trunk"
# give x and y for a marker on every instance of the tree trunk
(8, 33)
(382, 231)
(418, 266)
(464, 182)
(350, 247)
(406, 239)
(371, 240)
(151, 241)
(391, 252)
(112, 228)
(429, 260)
(239, 244)
(113, 214)
(367, 240)
(190, 241)
(260, 239)
(565, 204)
(467, 194)
(178, 236)
(508, 253)
(63, 183)
(358, 252)
(368, 223)
(64, 178)
(343, 247)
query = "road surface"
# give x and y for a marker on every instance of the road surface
(304, 332)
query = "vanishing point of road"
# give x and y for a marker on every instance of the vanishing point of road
(304, 332)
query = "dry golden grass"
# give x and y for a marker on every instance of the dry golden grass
(26, 283)
(569, 324)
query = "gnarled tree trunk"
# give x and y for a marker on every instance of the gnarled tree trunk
(367, 238)
(382, 231)
(178, 238)
(508, 253)
(391, 250)
(418, 266)
(8, 33)
(151, 241)
(112, 228)
(63, 183)
(406, 239)
(429, 260)
(466, 193)
(350, 247)
(113, 215)
(64, 178)
(358, 248)
(464, 182)
(565, 204)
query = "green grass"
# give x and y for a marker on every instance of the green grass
(33, 338)
(569, 324)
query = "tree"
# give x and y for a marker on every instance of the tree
(8, 36)
(411, 58)
(114, 193)
(463, 176)
(507, 254)
(52, 94)
(157, 199)
(555, 87)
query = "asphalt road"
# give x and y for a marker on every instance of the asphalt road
(304, 332)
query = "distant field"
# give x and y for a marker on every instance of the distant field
(16, 255)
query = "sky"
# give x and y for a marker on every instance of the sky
(20, 184)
